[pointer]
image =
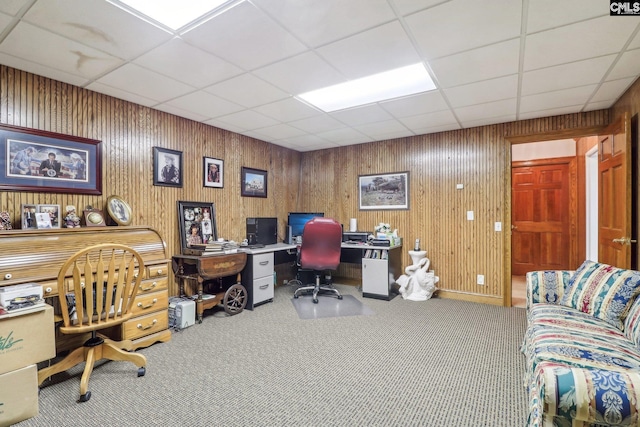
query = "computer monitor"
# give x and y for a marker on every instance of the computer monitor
(262, 231)
(297, 221)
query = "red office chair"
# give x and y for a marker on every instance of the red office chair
(320, 250)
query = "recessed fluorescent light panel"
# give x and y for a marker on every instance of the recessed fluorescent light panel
(392, 84)
(170, 13)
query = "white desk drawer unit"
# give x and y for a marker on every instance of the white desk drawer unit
(257, 278)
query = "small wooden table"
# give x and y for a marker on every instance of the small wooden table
(200, 268)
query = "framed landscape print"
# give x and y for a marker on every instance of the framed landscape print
(253, 182)
(384, 191)
(35, 160)
(213, 172)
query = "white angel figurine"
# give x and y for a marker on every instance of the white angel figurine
(418, 284)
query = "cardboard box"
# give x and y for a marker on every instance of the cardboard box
(19, 396)
(26, 337)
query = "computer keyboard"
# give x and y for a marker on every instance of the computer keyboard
(255, 246)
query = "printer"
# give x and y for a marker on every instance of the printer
(355, 236)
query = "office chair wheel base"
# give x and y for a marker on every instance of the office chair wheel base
(339, 296)
(315, 300)
(141, 371)
(235, 299)
(296, 296)
(85, 397)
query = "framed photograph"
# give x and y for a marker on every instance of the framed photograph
(54, 213)
(213, 172)
(29, 217)
(119, 210)
(43, 220)
(35, 160)
(197, 223)
(94, 218)
(384, 191)
(167, 167)
(253, 182)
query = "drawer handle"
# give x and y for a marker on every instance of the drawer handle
(155, 300)
(48, 290)
(8, 276)
(264, 262)
(160, 271)
(135, 276)
(264, 286)
(144, 328)
(153, 285)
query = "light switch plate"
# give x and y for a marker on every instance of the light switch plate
(470, 215)
(498, 226)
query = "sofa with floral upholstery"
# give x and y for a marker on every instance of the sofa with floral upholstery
(582, 347)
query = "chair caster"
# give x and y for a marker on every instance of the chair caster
(315, 300)
(339, 296)
(85, 397)
(141, 371)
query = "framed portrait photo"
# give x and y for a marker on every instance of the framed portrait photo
(384, 191)
(119, 210)
(36, 160)
(167, 167)
(253, 182)
(213, 172)
(197, 223)
(28, 217)
(54, 213)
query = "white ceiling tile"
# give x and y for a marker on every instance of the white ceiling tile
(601, 105)
(393, 135)
(42, 70)
(406, 7)
(205, 104)
(489, 121)
(320, 22)
(547, 14)
(317, 124)
(287, 110)
(416, 104)
(226, 126)
(12, 7)
(380, 49)
(309, 141)
(5, 20)
(549, 112)
(344, 135)
(188, 64)
(488, 62)
(98, 24)
(436, 129)
(422, 121)
(300, 74)
(627, 66)
(560, 98)
(488, 110)
(460, 25)
(121, 94)
(381, 128)
(247, 90)
(484, 91)
(248, 120)
(611, 90)
(361, 115)
(564, 76)
(279, 131)
(140, 81)
(42, 47)
(588, 39)
(245, 37)
(171, 109)
(635, 43)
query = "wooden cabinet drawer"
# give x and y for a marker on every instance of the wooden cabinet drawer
(148, 302)
(157, 270)
(50, 289)
(263, 265)
(145, 325)
(153, 285)
(263, 289)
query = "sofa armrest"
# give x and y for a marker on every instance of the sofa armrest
(603, 397)
(546, 286)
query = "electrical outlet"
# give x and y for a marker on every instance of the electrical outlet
(285, 281)
(480, 279)
(498, 226)
(459, 186)
(470, 216)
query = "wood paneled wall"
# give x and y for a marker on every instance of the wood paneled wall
(324, 180)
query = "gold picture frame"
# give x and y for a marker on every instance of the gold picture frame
(119, 210)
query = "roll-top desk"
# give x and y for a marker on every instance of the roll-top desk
(35, 256)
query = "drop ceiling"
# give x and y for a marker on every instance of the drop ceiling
(493, 61)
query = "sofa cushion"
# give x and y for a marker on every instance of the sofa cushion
(632, 322)
(604, 291)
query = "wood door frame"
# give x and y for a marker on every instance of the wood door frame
(522, 139)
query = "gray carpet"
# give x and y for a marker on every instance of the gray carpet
(329, 306)
(440, 363)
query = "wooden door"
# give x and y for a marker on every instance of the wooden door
(614, 194)
(541, 215)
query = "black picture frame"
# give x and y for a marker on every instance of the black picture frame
(253, 182)
(167, 167)
(212, 177)
(383, 191)
(24, 157)
(193, 214)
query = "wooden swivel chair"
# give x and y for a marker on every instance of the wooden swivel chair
(320, 250)
(101, 283)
